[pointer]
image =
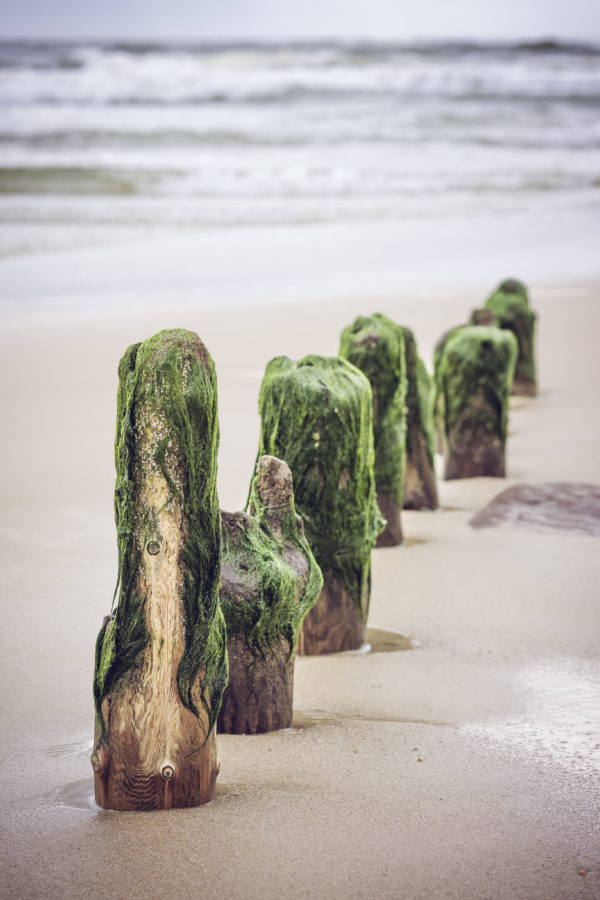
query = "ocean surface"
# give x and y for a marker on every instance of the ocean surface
(105, 142)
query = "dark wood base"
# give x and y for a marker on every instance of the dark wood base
(481, 457)
(391, 536)
(420, 488)
(474, 447)
(334, 624)
(259, 696)
(524, 387)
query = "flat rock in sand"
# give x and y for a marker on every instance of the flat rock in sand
(554, 506)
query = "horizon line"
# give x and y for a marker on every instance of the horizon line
(537, 39)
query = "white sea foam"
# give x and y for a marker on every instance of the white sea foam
(562, 723)
(101, 140)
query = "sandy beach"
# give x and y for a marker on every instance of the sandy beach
(466, 766)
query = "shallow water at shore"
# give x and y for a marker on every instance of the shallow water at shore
(131, 176)
(562, 721)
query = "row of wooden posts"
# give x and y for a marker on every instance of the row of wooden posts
(210, 606)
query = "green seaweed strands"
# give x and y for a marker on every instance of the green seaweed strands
(422, 406)
(260, 550)
(438, 350)
(420, 490)
(510, 305)
(474, 377)
(167, 390)
(317, 416)
(269, 583)
(375, 345)
(437, 395)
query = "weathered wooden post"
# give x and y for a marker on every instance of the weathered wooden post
(510, 305)
(484, 316)
(269, 581)
(317, 416)
(161, 663)
(420, 488)
(474, 378)
(438, 394)
(375, 345)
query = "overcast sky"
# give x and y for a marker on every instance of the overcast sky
(206, 19)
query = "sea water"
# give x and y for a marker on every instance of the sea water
(430, 152)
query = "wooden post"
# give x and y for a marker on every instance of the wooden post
(484, 316)
(375, 345)
(420, 488)
(161, 663)
(269, 581)
(317, 416)
(510, 305)
(438, 394)
(474, 378)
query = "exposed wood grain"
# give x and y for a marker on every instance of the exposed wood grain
(155, 753)
(150, 732)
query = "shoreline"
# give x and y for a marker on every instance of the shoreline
(300, 265)
(464, 767)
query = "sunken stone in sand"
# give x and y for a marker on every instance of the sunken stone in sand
(559, 506)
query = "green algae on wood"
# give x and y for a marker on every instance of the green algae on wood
(376, 346)
(474, 379)
(269, 582)
(161, 657)
(316, 414)
(420, 489)
(437, 395)
(510, 305)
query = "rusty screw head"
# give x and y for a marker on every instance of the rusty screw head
(153, 547)
(167, 772)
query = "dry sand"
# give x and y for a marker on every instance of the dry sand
(464, 767)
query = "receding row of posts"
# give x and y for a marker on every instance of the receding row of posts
(476, 368)
(210, 606)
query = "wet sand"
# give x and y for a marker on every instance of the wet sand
(465, 766)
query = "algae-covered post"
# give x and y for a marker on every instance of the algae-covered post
(317, 416)
(420, 488)
(161, 662)
(437, 401)
(375, 345)
(510, 305)
(269, 581)
(473, 378)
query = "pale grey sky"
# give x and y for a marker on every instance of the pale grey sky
(206, 19)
